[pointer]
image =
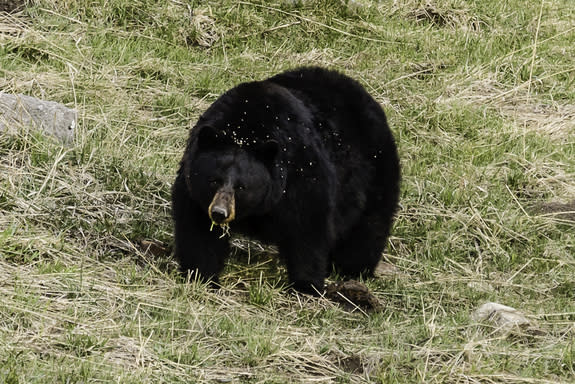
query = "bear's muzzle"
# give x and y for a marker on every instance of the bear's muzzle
(222, 208)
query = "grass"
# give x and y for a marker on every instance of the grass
(479, 95)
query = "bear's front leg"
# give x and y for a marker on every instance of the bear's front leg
(307, 262)
(199, 250)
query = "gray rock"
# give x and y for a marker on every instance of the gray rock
(500, 315)
(508, 320)
(20, 113)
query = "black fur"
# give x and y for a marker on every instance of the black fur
(313, 167)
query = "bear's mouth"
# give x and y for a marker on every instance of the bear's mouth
(222, 208)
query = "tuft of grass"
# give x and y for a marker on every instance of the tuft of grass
(480, 98)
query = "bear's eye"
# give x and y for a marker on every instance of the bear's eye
(240, 187)
(213, 183)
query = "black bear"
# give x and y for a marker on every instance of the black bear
(304, 160)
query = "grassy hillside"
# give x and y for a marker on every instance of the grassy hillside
(480, 96)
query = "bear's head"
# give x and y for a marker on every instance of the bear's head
(228, 180)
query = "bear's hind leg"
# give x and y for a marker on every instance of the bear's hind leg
(360, 250)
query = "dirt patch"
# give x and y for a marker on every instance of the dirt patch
(154, 248)
(353, 295)
(560, 211)
(453, 18)
(350, 364)
(12, 5)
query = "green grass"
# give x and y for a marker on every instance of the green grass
(480, 96)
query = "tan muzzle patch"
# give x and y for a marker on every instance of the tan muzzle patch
(222, 209)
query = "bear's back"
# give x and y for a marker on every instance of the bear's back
(340, 105)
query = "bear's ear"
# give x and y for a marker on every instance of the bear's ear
(208, 137)
(267, 151)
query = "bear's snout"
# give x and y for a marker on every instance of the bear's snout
(219, 214)
(222, 208)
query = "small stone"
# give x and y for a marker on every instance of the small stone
(499, 314)
(507, 319)
(384, 269)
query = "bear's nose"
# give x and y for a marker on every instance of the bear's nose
(219, 214)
